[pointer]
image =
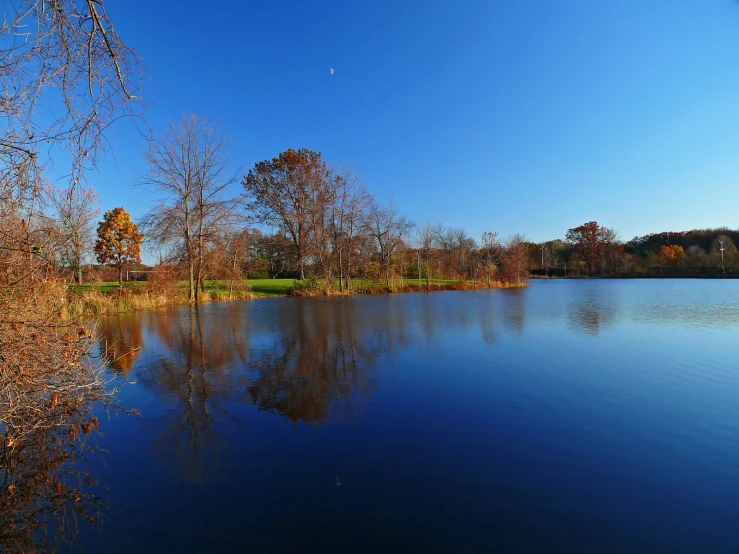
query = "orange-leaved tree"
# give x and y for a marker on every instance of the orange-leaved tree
(119, 240)
(671, 252)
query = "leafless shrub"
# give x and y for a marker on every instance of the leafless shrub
(49, 384)
(65, 77)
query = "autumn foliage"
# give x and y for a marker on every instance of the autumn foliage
(671, 252)
(287, 191)
(119, 240)
(591, 241)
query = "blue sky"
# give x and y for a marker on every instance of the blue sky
(513, 116)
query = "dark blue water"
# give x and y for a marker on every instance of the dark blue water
(572, 416)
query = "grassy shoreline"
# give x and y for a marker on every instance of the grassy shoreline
(111, 298)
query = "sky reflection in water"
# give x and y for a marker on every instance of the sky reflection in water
(573, 416)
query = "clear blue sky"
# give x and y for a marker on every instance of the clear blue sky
(513, 116)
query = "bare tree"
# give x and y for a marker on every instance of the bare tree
(75, 209)
(474, 261)
(320, 217)
(515, 260)
(388, 229)
(457, 243)
(67, 76)
(349, 202)
(491, 252)
(228, 257)
(190, 169)
(337, 206)
(427, 239)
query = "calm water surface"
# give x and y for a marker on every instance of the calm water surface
(573, 416)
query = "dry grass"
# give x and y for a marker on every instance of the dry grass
(433, 287)
(94, 303)
(315, 288)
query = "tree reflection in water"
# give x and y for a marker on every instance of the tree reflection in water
(122, 341)
(513, 309)
(196, 379)
(46, 488)
(307, 360)
(47, 432)
(321, 359)
(303, 360)
(592, 312)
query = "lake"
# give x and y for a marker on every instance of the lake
(571, 416)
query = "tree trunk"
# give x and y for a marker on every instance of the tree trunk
(190, 261)
(199, 274)
(341, 274)
(348, 274)
(120, 275)
(518, 272)
(200, 215)
(233, 274)
(191, 270)
(78, 263)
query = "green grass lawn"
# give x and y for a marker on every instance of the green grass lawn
(280, 287)
(105, 287)
(260, 287)
(270, 287)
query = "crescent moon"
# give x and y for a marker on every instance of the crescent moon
(332, 71)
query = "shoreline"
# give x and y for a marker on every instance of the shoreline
(93, 302)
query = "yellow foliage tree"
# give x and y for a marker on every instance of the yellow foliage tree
(119, 240)
(677, 250)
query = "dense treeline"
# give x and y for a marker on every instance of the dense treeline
(273, 256)
(592, 249)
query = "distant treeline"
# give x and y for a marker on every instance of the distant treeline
(705, 239)
(595, 250)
